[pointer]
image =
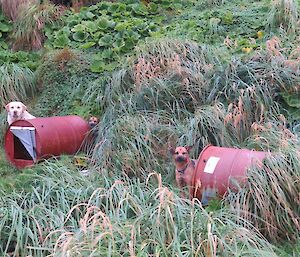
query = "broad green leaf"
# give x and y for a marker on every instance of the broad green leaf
(97, 66)
(64, 31)
(139, 9)
(113, 8)
(103, 23)
(119, 43)
(3, 44)
(4, 27)
(153, 8)
(79, 27)
(90, 26)
(292, 99)
(89, 15)
(104, 5)
(72, 23)
(107, 54)
(97, 35)
(80, 36)
(61, 41)
(88, 45)
(121, 26)
(106, 40)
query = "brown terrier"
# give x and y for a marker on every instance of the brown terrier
(90, 139)
(93, 121)
(185, 167)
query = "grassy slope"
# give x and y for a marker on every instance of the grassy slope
(239, 21)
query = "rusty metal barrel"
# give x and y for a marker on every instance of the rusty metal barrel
(221, 168)
(29, 141)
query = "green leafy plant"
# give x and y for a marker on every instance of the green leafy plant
(5, 29)
(23, 59)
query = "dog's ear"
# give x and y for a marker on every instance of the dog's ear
(7, 106)
(24, 107)
(172, 150)
(188, 148)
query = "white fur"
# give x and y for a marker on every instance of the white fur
(17, 111)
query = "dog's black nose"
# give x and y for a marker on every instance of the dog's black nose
(180, 159)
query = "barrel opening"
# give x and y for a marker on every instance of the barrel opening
(24, 143)
(20, 151)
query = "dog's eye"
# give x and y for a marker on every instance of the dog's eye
(176, 152)
(18, 107)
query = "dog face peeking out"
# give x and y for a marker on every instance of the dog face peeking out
(93, 121)
(181, 155)
(185, 167)
(17, 111)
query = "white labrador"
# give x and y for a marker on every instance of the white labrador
(17, 111)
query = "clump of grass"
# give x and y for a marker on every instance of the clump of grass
(16, 83)
(11, 8)
(64, 73)
(134, 143)
(270, 200)
(283, 13)
(29, 24)
(192, 66)
(165, 227)
(119, 217)
(214, 2)
(65, 212)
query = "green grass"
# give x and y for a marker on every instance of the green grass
(16, 83)
(182, 85)
(65, 212)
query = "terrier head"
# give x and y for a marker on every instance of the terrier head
(93, 121)
(181, 154)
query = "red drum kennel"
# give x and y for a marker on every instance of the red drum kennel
(219, 168)
(29, 141)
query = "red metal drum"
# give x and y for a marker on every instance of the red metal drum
(29, 141)
(219, 168)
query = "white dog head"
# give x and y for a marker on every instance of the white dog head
(15, 109)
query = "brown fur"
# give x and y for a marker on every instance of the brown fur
(93, 121)
(185, 167)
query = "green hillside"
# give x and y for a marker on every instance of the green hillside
(157, 74)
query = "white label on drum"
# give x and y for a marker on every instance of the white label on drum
(211, 164)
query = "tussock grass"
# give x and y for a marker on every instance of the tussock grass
(270, 201)
(11, 8)
(135, 143)
(29, 24)
(16, 83)
(68, 214)
(67, 80)
(177, 87)
(169, 92)
(191, 65)
(148, 108)
(283, 13)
